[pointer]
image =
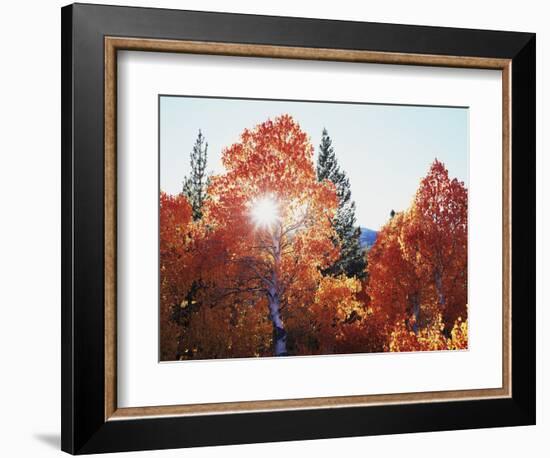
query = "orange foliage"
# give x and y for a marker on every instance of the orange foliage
(418, 266)
(440, 236)
(394, 283)
(175, 267)
(226, 331)
(459, 335)
(429, 338)
(335, 303)
(246, 279)
(277, 258)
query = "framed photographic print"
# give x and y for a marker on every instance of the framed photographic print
(281, 228)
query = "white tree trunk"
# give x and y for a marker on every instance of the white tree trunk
(279, 333)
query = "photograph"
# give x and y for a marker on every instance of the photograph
(300, 228)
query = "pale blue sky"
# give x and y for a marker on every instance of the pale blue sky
(384, 149)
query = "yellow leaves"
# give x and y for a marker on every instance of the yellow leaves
(459, 335)
(430, 338)
(335, 302)
(226, 331)
(186, 303)
(337, 288)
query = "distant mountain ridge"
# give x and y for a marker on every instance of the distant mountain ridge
(367, 237)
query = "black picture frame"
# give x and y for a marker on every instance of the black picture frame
(84, 428)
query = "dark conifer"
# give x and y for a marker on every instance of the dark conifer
(194, 186)
(352, 260)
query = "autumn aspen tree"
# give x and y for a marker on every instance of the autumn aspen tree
(268, 221)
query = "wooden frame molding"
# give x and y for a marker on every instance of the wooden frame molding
(112, 45)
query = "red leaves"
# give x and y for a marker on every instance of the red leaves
(441, 207)
(266, 235)
(275, 161)
(175, 266)
(418, 266)
(275, 157)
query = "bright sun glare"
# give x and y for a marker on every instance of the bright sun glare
(265, 211)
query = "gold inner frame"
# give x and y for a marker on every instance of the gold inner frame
(114, 44)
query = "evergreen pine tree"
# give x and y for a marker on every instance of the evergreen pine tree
(194, 186)
(352, 260)
(194, 189)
